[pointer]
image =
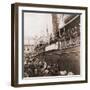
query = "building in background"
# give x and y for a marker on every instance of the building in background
(66, 29)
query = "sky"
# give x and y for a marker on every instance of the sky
(35, 25)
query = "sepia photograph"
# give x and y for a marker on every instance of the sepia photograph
(49, 44)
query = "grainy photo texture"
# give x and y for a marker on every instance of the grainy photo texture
(51, 44)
